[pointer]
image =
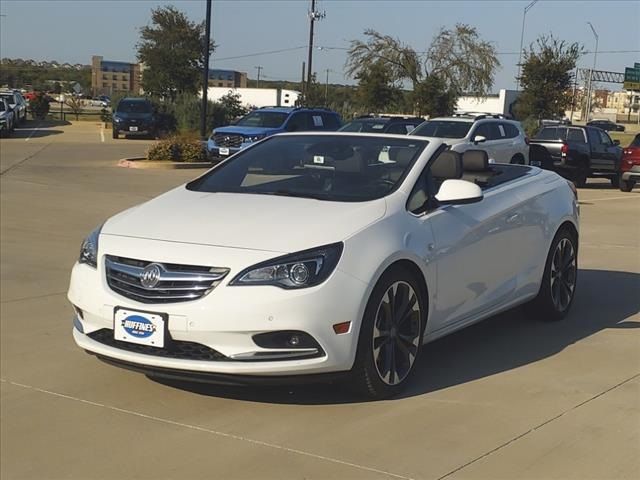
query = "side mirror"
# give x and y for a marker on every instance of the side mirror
(616, 142)
(479, 139)
(458, 192)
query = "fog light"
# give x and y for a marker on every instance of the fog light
(294, 340)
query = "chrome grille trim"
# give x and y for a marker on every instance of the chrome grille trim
(228, 140)
(176, 283)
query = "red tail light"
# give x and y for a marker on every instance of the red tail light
(565, 149)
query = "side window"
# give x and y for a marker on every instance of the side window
(488, 130)
(594, 138)
(576, 135)
(511, 130)
(330, 121)
(605, 139)
(297, 122)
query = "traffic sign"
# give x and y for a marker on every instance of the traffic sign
(632, 77)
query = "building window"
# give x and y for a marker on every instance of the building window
(220, 84)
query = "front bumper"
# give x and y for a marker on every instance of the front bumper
(226, 320)
(214, 150)
(633, 174)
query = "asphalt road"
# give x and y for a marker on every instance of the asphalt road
(509, 398)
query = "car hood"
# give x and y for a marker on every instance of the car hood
(248, 221)
(247, 131)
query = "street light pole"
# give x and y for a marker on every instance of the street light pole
(595, 56)
(313, 16)
(326, 89)
(259, 68)
(524, 16)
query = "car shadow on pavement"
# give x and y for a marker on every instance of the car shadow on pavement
(36, 129)
(605, 299)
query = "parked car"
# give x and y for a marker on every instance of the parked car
(580, 152)
(503, 140)
(17, 104)
(7, 124)
(382, 124)
(305, 256)
(630, 166)
(606, 125)
(267, 121)
(135, 117)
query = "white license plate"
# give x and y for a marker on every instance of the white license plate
(223, 151)
(139, 327)
(535, 163)
(133, 129)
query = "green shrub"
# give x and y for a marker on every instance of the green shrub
(530, 125)
(178, 148)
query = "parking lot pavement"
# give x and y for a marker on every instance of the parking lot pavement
(508, 398)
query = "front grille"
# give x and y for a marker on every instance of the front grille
(224, 140)
(175, 283)
(174, 348)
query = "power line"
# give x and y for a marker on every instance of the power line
(256, 54)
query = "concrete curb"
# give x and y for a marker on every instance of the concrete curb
(143, 163)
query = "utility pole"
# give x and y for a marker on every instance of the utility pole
(573, 98)
(259, 68)
(302, 80)
(326, 88)
(205, 72)
(524, 16)
(313, 16)
(595, 56)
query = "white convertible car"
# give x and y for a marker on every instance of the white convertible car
(323, 254)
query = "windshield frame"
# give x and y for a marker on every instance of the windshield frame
(195, 184)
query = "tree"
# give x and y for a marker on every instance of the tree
(313, 95)
(171, 49)
(547, 77)
(459, 58)
(75, 104)
(232, 106)
(376, 91)
(431, 96)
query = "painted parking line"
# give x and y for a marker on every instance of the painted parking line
(32, 132)
(101, 133)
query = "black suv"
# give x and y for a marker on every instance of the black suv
(382, 124)
(134, 116)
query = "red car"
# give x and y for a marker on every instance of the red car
(630, 166)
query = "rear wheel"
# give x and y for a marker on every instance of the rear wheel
(579, 178)
(114, 133)
(517, 159)
(626, 185)
(559, 278)
(390, 336)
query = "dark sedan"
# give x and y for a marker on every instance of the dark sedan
(134, 116)
(606, 125)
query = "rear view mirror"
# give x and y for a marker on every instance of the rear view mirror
(458, 192)
(479, 139)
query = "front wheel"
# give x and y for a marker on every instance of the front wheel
(390, 336)
(559, 279)
(615, 181)
(626, 185)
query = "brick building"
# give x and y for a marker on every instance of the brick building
(227, 78)
(109, 77)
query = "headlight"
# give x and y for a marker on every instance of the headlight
(254, 138)
(297, 270)
(117, 119)
(89, 249)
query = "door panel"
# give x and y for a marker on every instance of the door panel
(476, 255)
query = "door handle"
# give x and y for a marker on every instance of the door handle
(513, 218)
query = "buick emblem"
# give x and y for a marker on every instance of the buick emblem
(226, 139)
(150, 276)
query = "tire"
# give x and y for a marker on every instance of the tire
(517, 160)
(559, 279)
(615, 181)
(114, 133)
(626, 185)
(579, 178)
(383, 371)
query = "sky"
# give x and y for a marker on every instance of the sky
(74, 30)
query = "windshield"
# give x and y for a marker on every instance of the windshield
(364, 126)
(443, 129)
(325, 167)
(263, 119)
(552, 133)
(636, 141)
(2, 107)
(134, 107)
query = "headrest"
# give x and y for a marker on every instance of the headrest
(447, 165)
(475, 161)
